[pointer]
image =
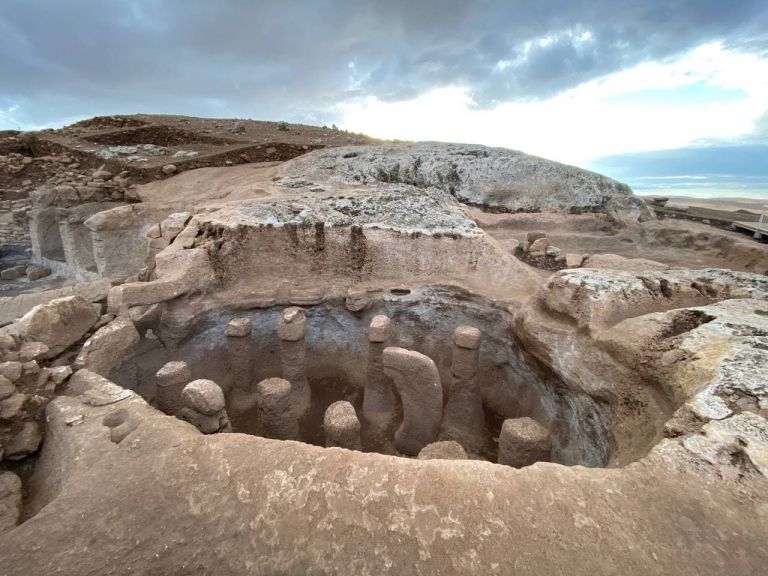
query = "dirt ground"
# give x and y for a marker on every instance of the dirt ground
(671, 241)
(195, 142)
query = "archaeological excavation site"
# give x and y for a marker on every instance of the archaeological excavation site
(240, 347)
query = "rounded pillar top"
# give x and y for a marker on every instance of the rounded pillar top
(341, 415)
(273, 389)
(380, 329)
(444, 450)
(176, 372)
(239, 327)
(292, 324)
(203, 396)
(467, 337)
(524, 429)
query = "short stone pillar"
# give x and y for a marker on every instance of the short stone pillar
(418, 383)
(238, 335)
(277, 418)
(379, 400)
(291, 329)
(171, 380)
(204, 407)
(445, 450)
(522, 442)
(464, 418)
(342, 428)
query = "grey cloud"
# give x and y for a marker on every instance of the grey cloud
(290, 59)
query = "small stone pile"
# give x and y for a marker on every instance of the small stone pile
(72, 189)
(26, 385)
(26, 172)
(34, 364)
(538, 251)
(33, 272)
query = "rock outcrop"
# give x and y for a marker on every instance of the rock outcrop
(445, 450)
(495, 178)
(59, 323)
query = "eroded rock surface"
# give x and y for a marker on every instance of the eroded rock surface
(493, 177)
(58, 324)
(626, 395)
(418, 384)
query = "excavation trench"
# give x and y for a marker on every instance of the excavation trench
(512, 383)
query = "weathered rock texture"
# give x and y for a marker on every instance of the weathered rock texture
(10, 501)
(379, 400)
(277, 417)
(58, 324)
(621, 361)
(418, 384)
(109, 347)
(342, 428)
(171, 381)
(238, 334)
(14, 307)
(451, 517)
(291, 330)
(493, 177)
(463, 417)
(445, 450)
(204, 407)
(120, 424)
(523, 442)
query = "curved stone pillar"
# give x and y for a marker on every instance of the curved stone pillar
(523, 442)
(418, 383)
(277, 418)
(238, 335)
(171, 380)
(342, 428)
(464, 418)
(379, 400)
(204, 407)
(291, 329)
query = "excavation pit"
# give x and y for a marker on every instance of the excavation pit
(167, 136)
(511, 381)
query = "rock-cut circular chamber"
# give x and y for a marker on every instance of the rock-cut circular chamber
(510, 381)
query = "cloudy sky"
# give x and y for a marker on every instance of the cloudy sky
(668, 95)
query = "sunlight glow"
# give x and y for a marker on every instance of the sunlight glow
(613, 114)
